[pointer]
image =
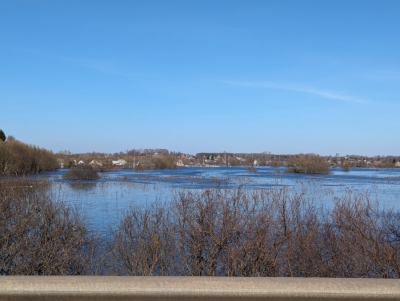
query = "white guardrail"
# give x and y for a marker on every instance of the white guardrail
(194, 288)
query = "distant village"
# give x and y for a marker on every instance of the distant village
(149, 158)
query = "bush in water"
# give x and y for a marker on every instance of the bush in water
(81, 172)
(309, 163)
(40, 236)
(257, 233)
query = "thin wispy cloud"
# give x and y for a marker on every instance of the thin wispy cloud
(327, 94)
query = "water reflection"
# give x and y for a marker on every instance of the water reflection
(82, 186)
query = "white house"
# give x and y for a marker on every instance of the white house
(119, 162)
(94, 162)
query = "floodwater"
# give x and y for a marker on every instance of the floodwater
(104, 201)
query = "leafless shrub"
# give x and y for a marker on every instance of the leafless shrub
(164, 162)
(217, 232)
(210, 232)
(309, 163)
(346, 166)
(81, 172)
(142, 245)
(360, 240)
(40, 236)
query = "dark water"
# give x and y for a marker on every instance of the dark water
(104, 201)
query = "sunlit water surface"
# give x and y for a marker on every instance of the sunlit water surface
(104, 201)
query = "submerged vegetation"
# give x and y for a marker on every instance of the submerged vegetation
(208, 232)
(309, 164)
(271, 232)
(258, 233)
(40, 235)
(346, 166)
(81, 172)
(164, 162)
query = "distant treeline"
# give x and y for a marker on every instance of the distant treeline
(210, 232)
(17, 158)
(162, 158)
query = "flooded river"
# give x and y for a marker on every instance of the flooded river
(103, 201)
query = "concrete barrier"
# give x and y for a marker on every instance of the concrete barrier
(194, 288)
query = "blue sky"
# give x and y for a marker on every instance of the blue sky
(192, 76)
